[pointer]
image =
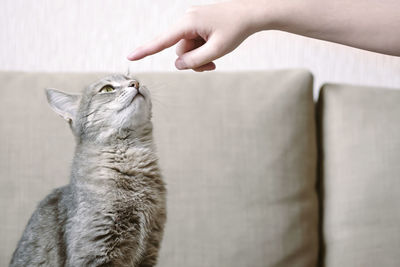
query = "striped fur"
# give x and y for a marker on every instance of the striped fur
(113, 211)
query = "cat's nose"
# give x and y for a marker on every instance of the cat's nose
(134, 84)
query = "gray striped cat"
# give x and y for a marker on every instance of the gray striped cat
(112, 213)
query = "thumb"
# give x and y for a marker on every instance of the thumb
(200, 56)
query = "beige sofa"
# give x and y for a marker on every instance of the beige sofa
(256, 175)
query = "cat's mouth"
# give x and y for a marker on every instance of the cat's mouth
(138, 94)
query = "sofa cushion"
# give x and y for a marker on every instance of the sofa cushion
(360, 140)
(237, 151)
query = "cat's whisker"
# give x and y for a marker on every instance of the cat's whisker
(161, 104)
(156, 86)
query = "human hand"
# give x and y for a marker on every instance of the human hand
(208, 32)
(204, 34)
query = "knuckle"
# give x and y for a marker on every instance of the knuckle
(217, 47)
(191, 14)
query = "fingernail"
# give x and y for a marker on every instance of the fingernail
(133, 55)
(180, 64)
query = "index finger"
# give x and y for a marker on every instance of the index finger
(160, 43)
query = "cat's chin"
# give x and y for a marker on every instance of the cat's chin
(134, 97)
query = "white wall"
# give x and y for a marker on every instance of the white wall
(93, 35)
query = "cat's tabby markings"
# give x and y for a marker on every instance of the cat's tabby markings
(112, 213)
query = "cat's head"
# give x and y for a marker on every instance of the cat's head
(116, 106)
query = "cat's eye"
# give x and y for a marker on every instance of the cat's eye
(107, 89)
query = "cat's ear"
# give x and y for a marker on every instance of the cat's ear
(65, 105)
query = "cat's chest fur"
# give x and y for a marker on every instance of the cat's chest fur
(117, 172)
(119, 200)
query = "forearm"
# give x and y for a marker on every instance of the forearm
(368, 24)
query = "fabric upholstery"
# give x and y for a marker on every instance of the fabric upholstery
(360, 155)
(237, 150)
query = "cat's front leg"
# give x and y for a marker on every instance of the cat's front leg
(153, 243)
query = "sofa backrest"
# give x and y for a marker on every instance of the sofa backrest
(359, 137)
(237, 150)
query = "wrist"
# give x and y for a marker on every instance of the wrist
(262, 14)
